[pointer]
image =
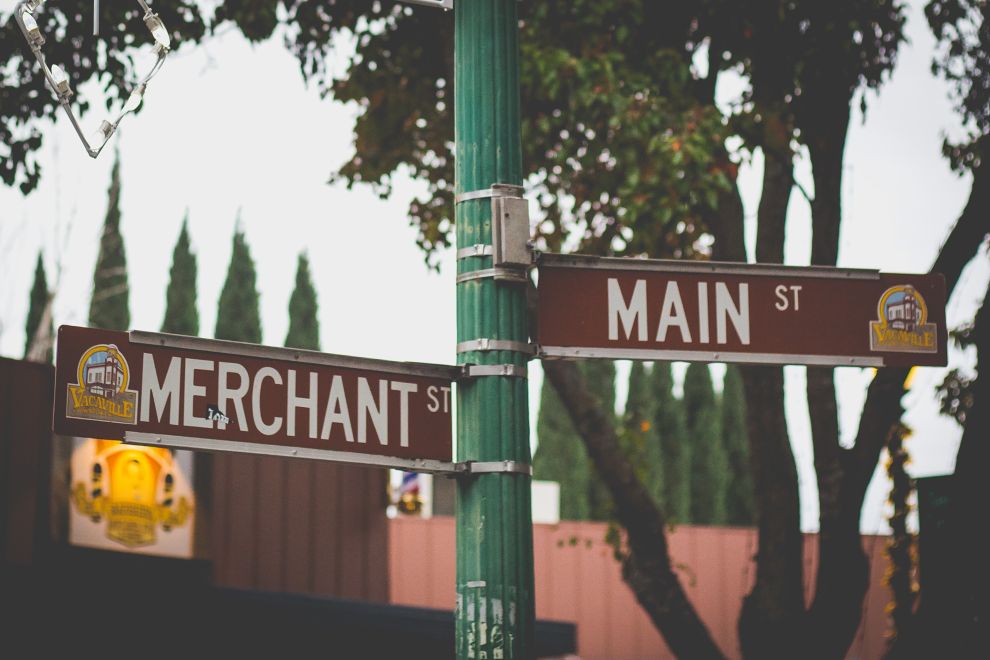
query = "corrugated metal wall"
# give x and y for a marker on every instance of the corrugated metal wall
(25, 448)
(577, 579)
(299, 526)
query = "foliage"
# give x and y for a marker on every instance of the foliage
(39, 300)
(560, 456)
(962, 28)
(181, 315)
(108, 307)
(637, 433)
(304, 324)
(600, 376)
(26, 102)
(709, 463)
(740, 508)
(237, 312)
(900, 548)
(673, 449)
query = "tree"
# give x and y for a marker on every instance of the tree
(962, 28)
(37, 329)
(739, 507)
(600, 375)
(709, 464)
(108, 307)
(181, 315)
(673, 448)
(638, 433)
(237, 312)
(304, 324)
(560, 456)
(626, 149)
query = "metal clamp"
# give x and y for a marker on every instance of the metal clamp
(493, 467)
(495, 345)
(475, 370)
(476, 250)
(502, 274)
(496, 190)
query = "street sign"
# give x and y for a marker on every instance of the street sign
(642, 309)
(176, 391)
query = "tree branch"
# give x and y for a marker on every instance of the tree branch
(646, 568)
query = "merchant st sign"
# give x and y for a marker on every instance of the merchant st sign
(719, 312)
(205, 394)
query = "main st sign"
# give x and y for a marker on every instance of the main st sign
(624, 308)
(176, 391)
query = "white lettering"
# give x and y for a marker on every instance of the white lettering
(235, 395)
(782, 302)
(190, 391)
(367, 408)
(434, 404)
(673, 314)
(160, 393)
(631, 314)
(336, 411)
(703, 312)
(724, 306)
(259, 379)
(295, 401)
(404, 390)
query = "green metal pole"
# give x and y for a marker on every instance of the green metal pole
(495, 611)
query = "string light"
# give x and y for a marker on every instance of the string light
(58, 78)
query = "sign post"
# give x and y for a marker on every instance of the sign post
(494, 608)
(646, 309)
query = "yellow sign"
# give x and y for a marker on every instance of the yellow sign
(100, 391)
(131, 497)
(902, 324)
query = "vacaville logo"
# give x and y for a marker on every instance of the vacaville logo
(902, 324)
(100, 392)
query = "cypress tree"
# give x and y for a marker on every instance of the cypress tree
(672, 451)
(304, 326)
(638, 434)
(560, 455)
(181, 315)
(238, 318)
(740, 508)
(36, 312)
(600, 375)
(108, 307)
(709, 464)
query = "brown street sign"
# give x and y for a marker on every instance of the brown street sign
(175, 391)
(623, 308)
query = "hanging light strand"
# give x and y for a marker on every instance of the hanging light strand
(58, 78)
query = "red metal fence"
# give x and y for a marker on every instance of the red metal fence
(578, 579)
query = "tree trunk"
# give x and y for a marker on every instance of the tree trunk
(843, 571)
(646, 567)
(771, 620)
(971, 577)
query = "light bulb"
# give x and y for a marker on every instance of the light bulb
(101, 135)
(61, 79)
(158, 30)
(31, 26)
(134, 100)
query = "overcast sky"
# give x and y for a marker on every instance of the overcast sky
(230, 129)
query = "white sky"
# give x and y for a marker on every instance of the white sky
(229, 126)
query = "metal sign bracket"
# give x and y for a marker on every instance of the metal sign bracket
(469, 371)
(470, 468)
